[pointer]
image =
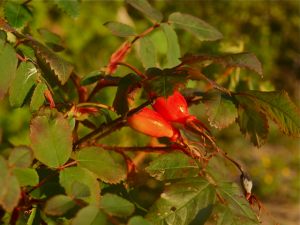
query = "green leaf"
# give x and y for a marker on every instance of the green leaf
(278, 107)
(51, 139)
(173, 165)
(220, 109)
(126, 85)
(91, 78)
(237, 206)
(144, 7)
(16, 14)
(164, 82)
(10, 192)
(26, 176)
(90, 215)
(147, 52)
(3, 35)
(59, 205)
(109, 167)
(138, 220)
(8, 65)
(80, 190)
(70, 176)
(242, 60)
(116, 205)
(51, 39)
(120, 29)
(202, 30)
(20, 157)
(173, 52)
(38, 98)
(61, 68)
(181, 202)
(253, 123)
(22, 84)
(71, 7)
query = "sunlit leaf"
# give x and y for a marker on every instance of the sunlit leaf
(126, 84)
(8, 65)
(59, 205)
(173, 166)
(16, 14)
(26, 176)
(37, 98)
(21, 85)
(51, 139)
(144, 7)
(20, 157)
(116, 205)
(120, 29)
(278, 107)
(243, 60)
(138, 220)
(220, 109)
(253, 123)
(108, 166)
(61, 68)
(173, 51)
(237, 208)
(164, 82)
(69, 176)
(202, 30)
(90, 215)
(147, 52)
(181, 202)
(71, 7)
(10, 192)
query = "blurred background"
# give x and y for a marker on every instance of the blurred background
(270, 29)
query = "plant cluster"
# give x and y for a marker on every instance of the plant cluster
(67, 175)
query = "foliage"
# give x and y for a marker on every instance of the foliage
(67, 173)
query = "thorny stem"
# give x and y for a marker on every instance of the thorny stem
(106, 129)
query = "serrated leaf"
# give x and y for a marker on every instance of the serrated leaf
(120, 29)
(38, 98)
(51, 139)
(173, 165)
(8, 65)
(59, 205)
(220, 109)
(202, 30)
(243, 60)
(116, 205)
(90, 215)
(181, 201)
(60, 67)
(26, 176)
(253, 124)
(10, 192)
(278, 107)
(238, 207)
(144, 7)
(108, 166)
(16, 14)
(138, 220)
(71, 7)
(147, 52)
(22, 84)
(164, 82)
(72, 175)
(126, 84)
(173, 51)
(20, 157)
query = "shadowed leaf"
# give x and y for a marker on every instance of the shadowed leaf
(120, 29)
(20, 157)
(59, 205)
(26, 176)
(38, 98)
(16, 14)
(71, 7)
(138, 220)
(90, 215)
(144, 7)
(147, 52)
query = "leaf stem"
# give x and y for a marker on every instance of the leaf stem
(132, 68)
(98, 105)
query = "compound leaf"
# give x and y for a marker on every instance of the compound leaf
(147, 52)
(120, 29)
(144, 7)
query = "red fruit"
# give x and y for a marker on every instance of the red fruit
(149, 122)
(174, 108)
